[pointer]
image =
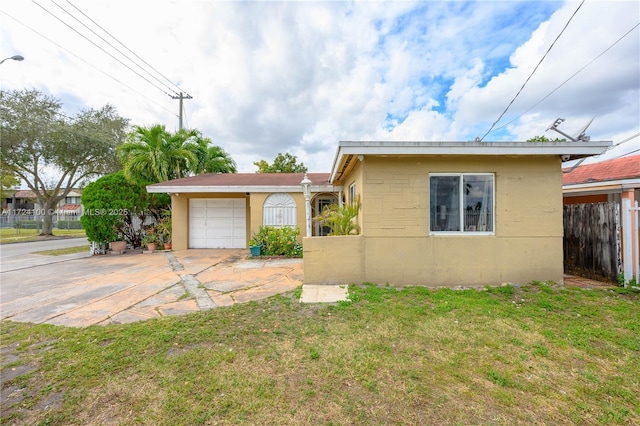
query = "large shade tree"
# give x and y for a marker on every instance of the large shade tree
(283, 163)
(8, 181)
(52, 153)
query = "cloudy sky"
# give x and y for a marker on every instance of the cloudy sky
(298, 77)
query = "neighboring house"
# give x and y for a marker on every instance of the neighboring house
(224, 210)
(431, 213)
(23, 202)
(616, 180)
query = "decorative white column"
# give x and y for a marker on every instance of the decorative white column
(306, 190)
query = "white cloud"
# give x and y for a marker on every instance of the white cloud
(297, 77)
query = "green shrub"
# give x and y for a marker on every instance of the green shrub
(278, 241)
(69, 224)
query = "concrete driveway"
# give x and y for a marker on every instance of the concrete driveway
(133, 287)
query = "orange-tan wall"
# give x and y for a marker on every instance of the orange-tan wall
(356, 176)
(255, 201)
(396, 247)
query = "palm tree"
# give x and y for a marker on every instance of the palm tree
(156, 155)
(214, 159)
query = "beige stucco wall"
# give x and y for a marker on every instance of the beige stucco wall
(255, 202)
(397, 247)
(342, 263)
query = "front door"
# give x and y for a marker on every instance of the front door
(320, 203)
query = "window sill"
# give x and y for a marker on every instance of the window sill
(460, 234)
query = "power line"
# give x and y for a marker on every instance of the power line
(567, 80)
(533, 72)
(131, 51)
(99, 47)
(107, 42)
(86, 62)
(630, 152)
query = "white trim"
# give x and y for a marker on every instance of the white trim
(352, 193)
(581, 148)
(462, 232)
(177, 189)
(623, 184)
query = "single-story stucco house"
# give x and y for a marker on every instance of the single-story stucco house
(224, 210)
(431, 213)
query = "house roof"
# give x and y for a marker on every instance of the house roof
(348, 150)
(27, 193)
(70, 207)
(24, 193)
(618, 170)
(243, 182)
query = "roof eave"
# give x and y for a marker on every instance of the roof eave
(177, 189)
(573, 150)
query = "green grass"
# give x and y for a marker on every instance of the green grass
(63, 251)
(539, 354)
(11, 235)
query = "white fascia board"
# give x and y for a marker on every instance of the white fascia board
(464, 148)
(179, 189)
(473, 148)
(621, 183)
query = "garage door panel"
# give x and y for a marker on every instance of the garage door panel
(217, 223)
(198, 202)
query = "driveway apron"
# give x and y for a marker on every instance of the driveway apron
(133, 287)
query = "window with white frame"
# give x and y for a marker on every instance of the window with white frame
(352, 193)
(279, 210)
(462, 203)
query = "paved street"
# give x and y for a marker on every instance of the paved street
(16, 256)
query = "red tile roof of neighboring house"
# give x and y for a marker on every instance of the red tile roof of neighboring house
(248, 179)
(70, 207)
(25, 193)
(616, 169)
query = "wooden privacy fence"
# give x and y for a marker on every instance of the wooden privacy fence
(592, 240)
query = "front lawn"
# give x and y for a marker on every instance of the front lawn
(12, 235)
(539, 354)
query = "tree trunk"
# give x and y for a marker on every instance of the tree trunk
(47, 219)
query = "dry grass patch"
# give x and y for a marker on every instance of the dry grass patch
(533, 355)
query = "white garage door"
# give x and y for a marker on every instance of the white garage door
(217, 223)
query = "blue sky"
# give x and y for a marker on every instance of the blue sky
(298, 77)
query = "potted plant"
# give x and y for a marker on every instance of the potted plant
(254, 246)
(151, 238)
(118, 246)
(164, 229)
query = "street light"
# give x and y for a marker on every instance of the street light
(306, 191)
(14, 57)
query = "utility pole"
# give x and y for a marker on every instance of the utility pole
(181, 97)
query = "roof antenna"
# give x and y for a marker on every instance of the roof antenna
(580, 136)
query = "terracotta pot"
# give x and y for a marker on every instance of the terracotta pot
(152, 246)
(118, 245)
(167, 246)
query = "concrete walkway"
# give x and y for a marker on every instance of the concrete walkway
(133, 287)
